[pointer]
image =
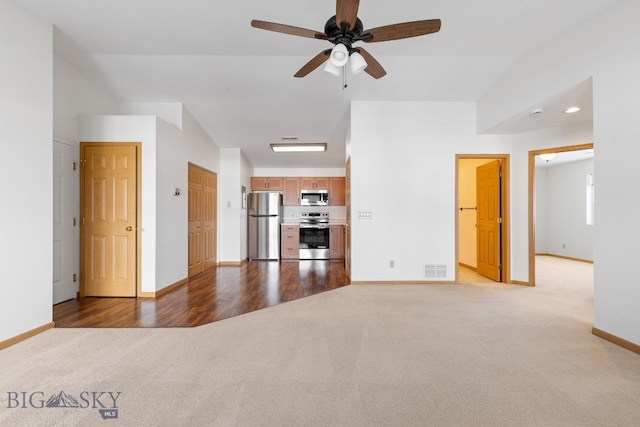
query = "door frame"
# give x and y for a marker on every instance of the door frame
(505, 212)
(138, 229)
(532, 207)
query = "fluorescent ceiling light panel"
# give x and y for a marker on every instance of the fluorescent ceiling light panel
(571, 110)
(299, 147)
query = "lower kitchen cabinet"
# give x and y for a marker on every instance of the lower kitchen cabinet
(289, 241)
(336, 241)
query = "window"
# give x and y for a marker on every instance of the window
(590, 205)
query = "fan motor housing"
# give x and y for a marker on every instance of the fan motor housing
(338, 35)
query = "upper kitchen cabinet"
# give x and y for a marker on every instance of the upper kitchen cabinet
(266, 183)
(314, 183)
(337, 191)
(291, 191)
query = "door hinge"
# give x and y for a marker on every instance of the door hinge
(500, 220)
(75, 277)
(500, 174)
(499, 266)
(82, 220)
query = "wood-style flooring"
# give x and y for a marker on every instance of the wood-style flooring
(216, 294)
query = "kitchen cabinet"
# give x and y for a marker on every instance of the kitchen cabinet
(337, 191)
(336, 241)
(291, 187)
(266, 183)
(289, 241)
(314, 183)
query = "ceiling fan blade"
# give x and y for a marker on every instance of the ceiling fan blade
(347, 11)
(288, 29)
(402, 31)
(374, 69)
(315, 62)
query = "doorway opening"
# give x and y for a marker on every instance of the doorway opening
(482, 218)
(573, 152)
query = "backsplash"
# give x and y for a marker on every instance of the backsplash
(336, 213)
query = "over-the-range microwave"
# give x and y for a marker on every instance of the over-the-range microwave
(314, 197)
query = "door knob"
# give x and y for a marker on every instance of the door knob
(129, 228)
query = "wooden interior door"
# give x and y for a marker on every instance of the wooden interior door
(209, 219)
(488, 182)
(195, 216)
(202, 219)
(109, 216)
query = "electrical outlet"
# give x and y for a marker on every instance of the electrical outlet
(392, 264)
(564, 246)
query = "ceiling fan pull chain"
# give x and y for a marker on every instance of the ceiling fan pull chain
(344, 77)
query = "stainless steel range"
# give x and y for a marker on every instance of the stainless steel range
(314, 235)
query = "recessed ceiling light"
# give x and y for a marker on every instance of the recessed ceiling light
(536, 112)
(571, 110)
(299, 147)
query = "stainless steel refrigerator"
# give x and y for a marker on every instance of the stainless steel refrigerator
(265, 216)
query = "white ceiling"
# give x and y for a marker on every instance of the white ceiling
(238, 81)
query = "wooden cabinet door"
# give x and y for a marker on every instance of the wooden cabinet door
(290, 242)
(322, 183)
(266, 183)
(291, 191)
(109, 209)
(336, 242)
(337, 191)
(314, 183)
(307, 183)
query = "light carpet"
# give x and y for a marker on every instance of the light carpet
(363, 355)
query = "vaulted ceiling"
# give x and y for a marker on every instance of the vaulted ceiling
(238, 81)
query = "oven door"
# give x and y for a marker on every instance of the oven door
(314, 241)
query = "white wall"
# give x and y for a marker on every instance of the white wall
(403, 171)
(26, 256)
(232, 214)
(610, 55)
(74, 95)
(561, 206)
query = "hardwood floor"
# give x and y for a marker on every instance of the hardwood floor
(216, 294)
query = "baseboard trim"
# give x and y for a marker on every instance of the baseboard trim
(567, 257)
(520, 283)
(405, 282)
(462, 264)
(616, 340)
(164, 290)
(24, 336)
(231, 263)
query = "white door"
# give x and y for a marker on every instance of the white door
(64, 281)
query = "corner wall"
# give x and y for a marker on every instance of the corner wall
(610, 56)
(26, 166)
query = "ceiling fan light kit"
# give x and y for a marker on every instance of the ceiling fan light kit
(358, 64)
(345, 28)
(339, 55)
(331, 68)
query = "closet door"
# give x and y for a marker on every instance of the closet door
(203, 237)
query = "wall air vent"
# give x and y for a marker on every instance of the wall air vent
(435, 270)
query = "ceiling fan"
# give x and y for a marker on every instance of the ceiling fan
(343, 30)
